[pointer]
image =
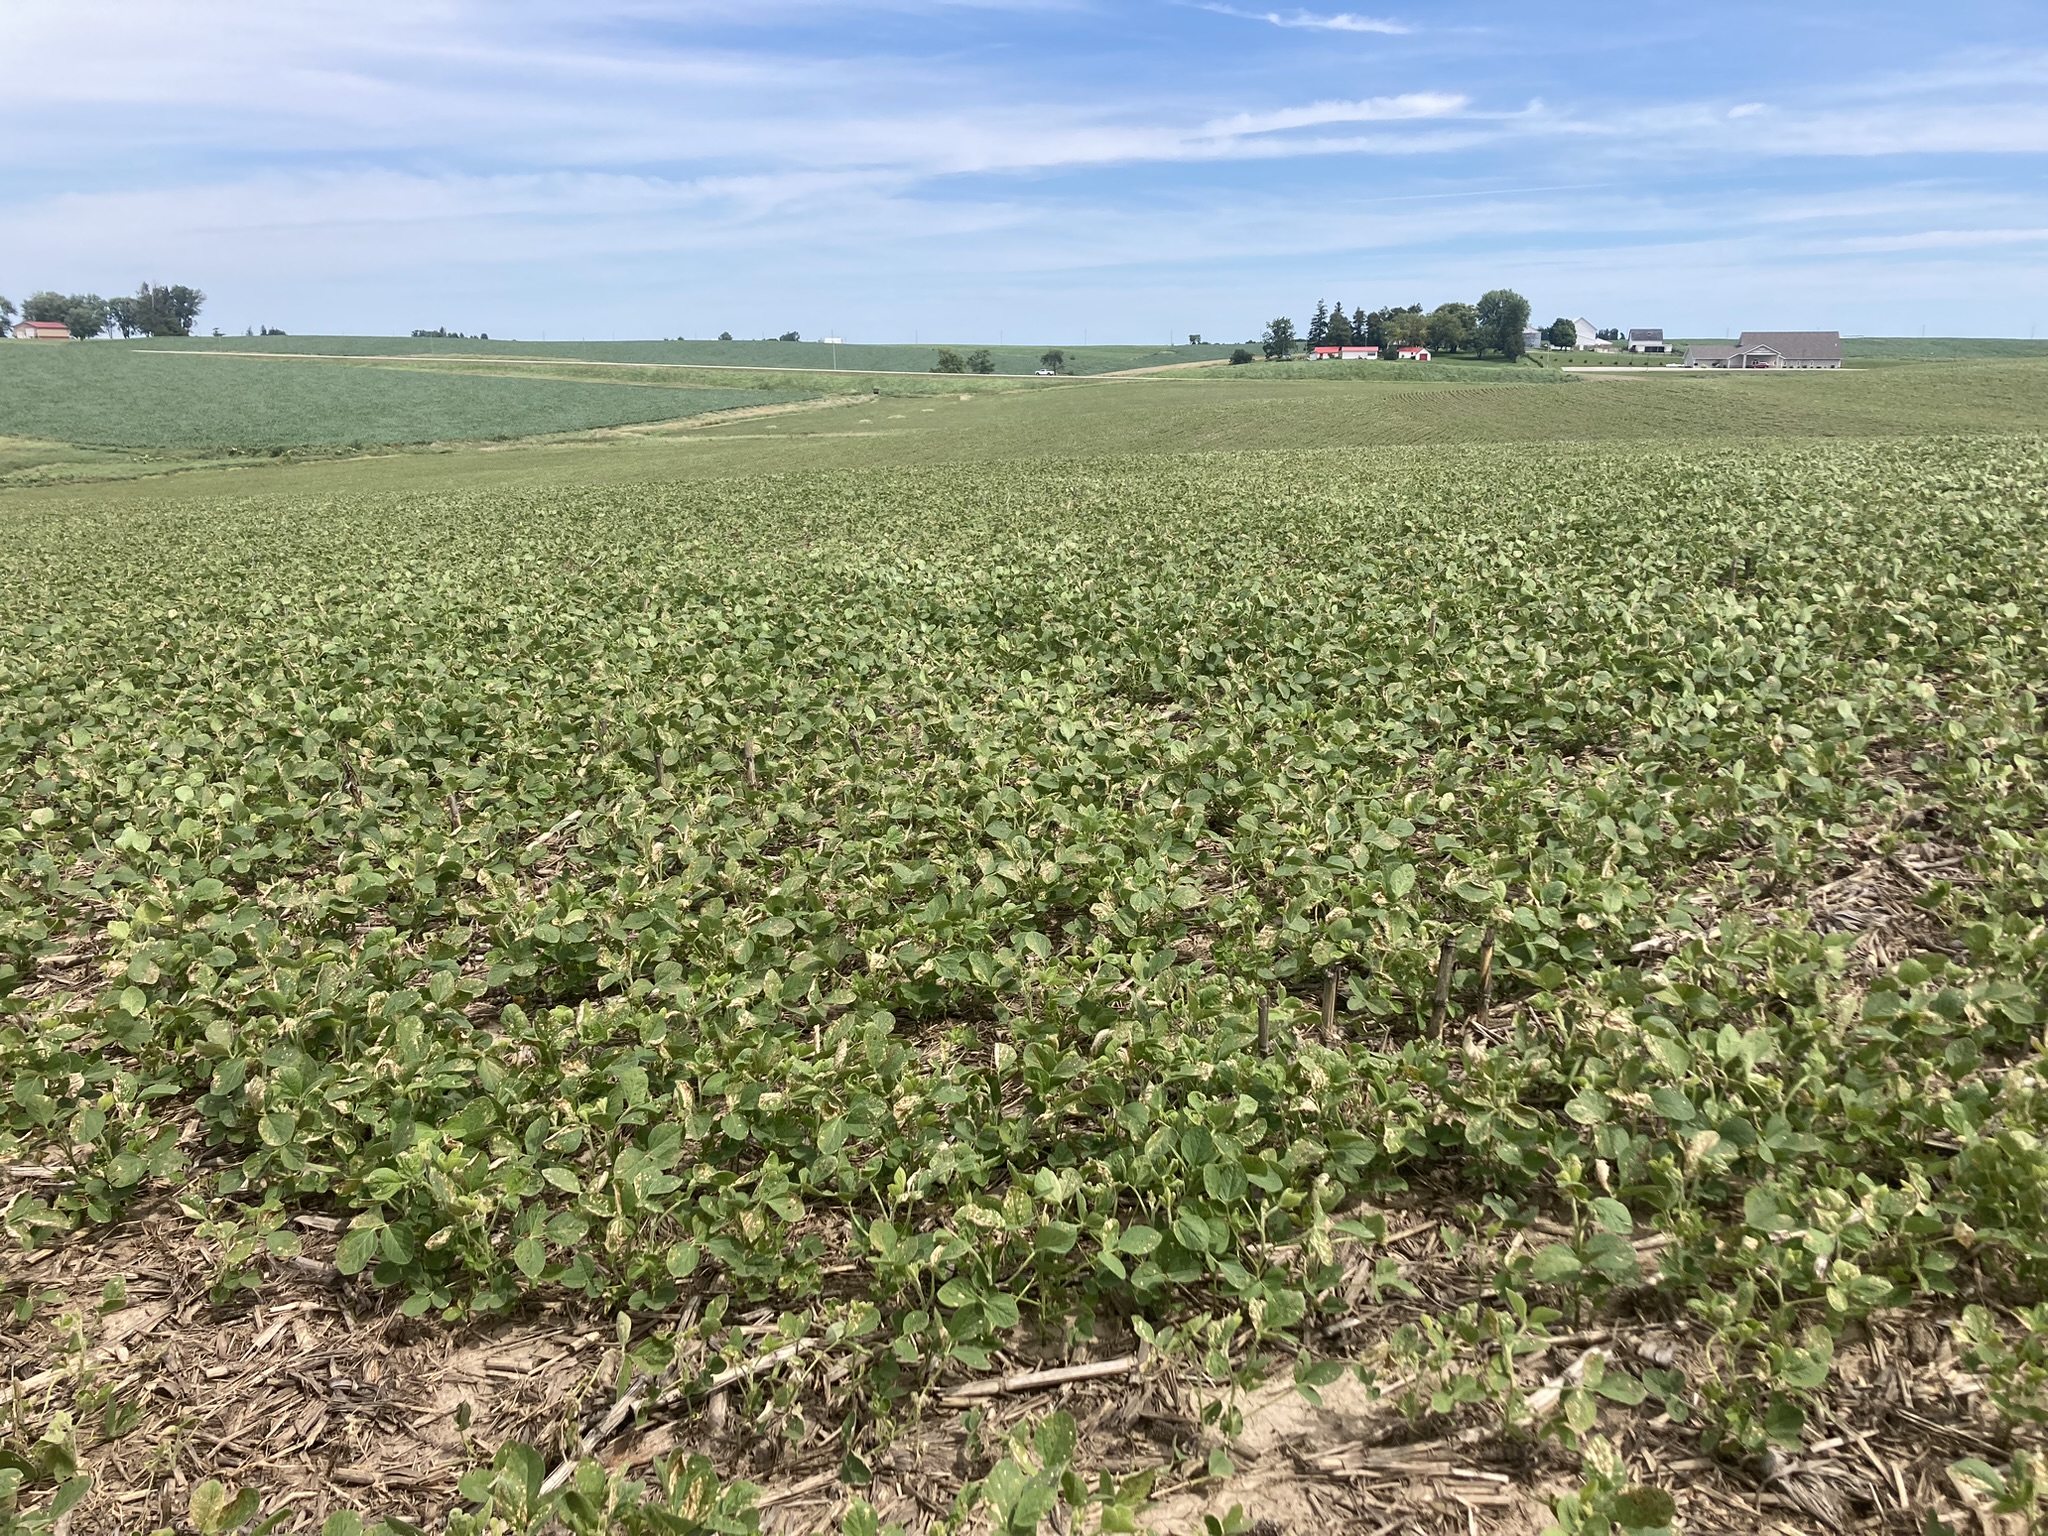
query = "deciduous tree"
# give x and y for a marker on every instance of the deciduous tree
(981, 361)
(1453, 328)
(87, 316)
(1056, 360)
(1407, 327)
(1278, 342)
(1385, 330)
(166, 309)
(1503, 318)
(949, 362)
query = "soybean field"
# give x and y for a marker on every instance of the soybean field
(1441, 989)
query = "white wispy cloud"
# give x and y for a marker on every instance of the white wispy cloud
(1374, 109)
(1341, 21)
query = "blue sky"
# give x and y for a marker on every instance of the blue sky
(1035, 170)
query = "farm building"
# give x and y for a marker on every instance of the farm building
(1414, 354)
(1772, 349)
(1788, 349)
(1347, 354)
(43, 330)
(1589, 336)
(1640, 340)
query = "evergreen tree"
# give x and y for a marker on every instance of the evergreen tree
(1341, 334)
(1358, 325)
(1319, 326)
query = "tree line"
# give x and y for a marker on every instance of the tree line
(154, 310)
(1498, 323)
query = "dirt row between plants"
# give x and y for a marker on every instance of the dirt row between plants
(323, 1397)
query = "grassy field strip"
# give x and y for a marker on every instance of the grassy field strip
(445, 363)
(113, 397)
(898, 358)
(1669, 370)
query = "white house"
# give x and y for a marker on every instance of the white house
(1589, 336)
(1640, 340)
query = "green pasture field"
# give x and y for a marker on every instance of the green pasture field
(856, 358)
(1515, 910)
(131, 396)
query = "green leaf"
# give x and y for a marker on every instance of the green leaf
(1643, 1509)
(1980, 1473)
(1613, 1216)
(1054, 1441)
(1555, 1262)
(355, 1250)
(1588, 1106)
(531, 1255)
(1671, 1104)
(208, 1507)
(1224, 1180)
(1618, 1386)
(1785, 1423)
(1057, 1237)
(1138, 1241)
(66, 1499)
